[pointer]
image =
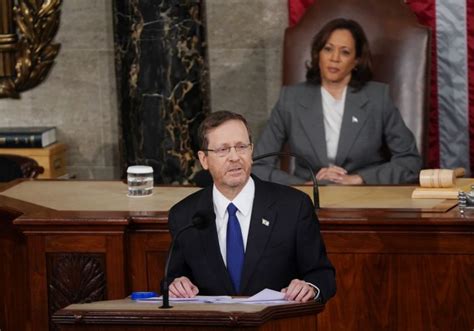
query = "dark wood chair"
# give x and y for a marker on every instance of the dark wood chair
(16, 166)
(400, 48)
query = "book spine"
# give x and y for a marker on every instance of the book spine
(21, 140)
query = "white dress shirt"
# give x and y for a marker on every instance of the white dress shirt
(244, 202)
(333, 110)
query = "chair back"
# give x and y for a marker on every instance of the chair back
(400, 50)
(18, 166)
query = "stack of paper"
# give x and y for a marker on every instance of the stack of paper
(265, 296)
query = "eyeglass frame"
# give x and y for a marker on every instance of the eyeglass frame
(243, 148)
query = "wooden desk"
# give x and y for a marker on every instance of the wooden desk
(398, 268)
(127, 315)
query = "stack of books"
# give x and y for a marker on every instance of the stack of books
(27, 137)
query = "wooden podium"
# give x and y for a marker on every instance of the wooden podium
(127, 315)
(399, 262)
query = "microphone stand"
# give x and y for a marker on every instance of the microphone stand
(307, 165)
(164, 284)
(199, 220)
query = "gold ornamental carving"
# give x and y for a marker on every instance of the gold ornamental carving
(27, 50)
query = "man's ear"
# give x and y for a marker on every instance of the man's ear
(203, 159)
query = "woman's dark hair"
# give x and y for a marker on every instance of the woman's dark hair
(362, 73)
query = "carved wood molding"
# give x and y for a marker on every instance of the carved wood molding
(75, 278)
(27, 62)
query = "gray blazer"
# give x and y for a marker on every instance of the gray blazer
(374, 141)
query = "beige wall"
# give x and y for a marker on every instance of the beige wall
(79, 96)
(245, 42)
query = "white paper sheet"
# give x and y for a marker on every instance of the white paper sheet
(265, 296)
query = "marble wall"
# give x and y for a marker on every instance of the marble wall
(80, 98)
(162, 74)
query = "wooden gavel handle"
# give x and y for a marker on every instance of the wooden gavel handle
(459, 172)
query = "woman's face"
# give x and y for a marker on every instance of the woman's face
(337, 58)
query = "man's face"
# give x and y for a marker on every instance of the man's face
(230, 172)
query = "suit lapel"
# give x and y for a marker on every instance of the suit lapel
(352, 121)
(312, 121)
(261, 225)
(210, 242)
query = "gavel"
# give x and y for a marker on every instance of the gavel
(440, 177)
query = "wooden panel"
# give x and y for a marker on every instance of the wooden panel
(415, 242)
(137, 264)
(74, 277)
(116, 286)
(401, 292)
(13, 276)
(116, 315)
(293, 324)
(38, 281)
(147, 257)
(96, 196)
(112, 196)
(405, 270)
(379, 197)
(147, 328)
(81, 243)
(160, 328)
(66, 253)
(156, 269)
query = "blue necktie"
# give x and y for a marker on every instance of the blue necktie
(235, 247)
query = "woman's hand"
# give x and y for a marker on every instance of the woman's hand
(338, 175)
(332, 174)
(351, 180)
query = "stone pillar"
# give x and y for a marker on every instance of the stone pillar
(162, 79)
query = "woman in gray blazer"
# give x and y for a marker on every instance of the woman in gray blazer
(345, 125)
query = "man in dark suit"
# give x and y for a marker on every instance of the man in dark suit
(257, 234)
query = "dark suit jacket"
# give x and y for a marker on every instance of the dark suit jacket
(289, 247)
(374, 141)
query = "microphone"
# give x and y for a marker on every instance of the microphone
(199, 221)
(306, 164)
(203, 178)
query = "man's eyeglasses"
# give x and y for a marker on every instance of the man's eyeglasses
(224, 151)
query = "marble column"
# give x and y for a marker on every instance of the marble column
(162, 77)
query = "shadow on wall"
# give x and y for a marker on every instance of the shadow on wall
(104, 164)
